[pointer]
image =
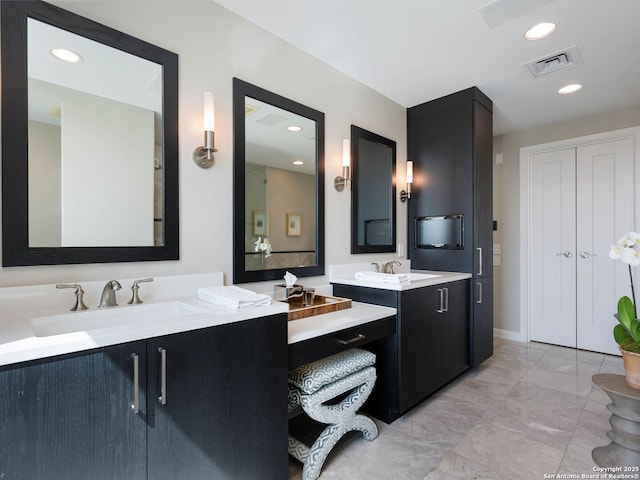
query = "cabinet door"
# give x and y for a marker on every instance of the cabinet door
(420, 352)
(70, 418)
(455, 331)
(224, 413)
(483, 185)
(482, 320)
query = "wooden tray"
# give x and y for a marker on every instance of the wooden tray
(322, 304)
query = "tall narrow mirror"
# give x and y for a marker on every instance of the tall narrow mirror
(89, 158)
(373, 192)
(278, 186)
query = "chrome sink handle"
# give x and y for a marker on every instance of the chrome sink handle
(376, 266)
(135, 298)
(79, 294)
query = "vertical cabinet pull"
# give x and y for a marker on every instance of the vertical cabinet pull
(479, 292)
(163, 376)
(446, 299)
(479, 260)
(135, 406)
(441, 309)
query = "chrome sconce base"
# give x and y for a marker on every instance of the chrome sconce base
(405, 194)
(340, 182)
(203, 155)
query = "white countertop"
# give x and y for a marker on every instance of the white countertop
(23, 345)
(317, 325)
(18, 342)
(347, 278)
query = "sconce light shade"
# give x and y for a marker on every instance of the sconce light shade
(340, 182)
(203, 155)
(406, 194)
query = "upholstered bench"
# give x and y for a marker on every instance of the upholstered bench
(314, 384)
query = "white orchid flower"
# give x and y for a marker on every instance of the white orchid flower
(616, 251)
(630, 256)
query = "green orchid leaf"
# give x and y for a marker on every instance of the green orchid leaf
(626, 313)
(620, 334)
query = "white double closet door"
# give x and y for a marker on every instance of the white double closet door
(581, 201)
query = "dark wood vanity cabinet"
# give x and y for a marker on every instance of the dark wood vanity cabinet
(223, 414)
(450, 141)
(430, 347)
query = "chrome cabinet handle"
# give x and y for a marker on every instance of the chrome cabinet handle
(135, 406)
(446, 299)
(357, 338)
(479, 292)
(163, 376)
(479, 260)
(565, 254)
(584, 254)
(441, 309)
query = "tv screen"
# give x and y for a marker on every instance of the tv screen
(440, 231)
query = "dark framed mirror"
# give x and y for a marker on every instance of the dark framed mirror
(278, 181)
(373, 192)
(89, 144)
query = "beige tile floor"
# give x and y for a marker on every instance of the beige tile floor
(529, 411)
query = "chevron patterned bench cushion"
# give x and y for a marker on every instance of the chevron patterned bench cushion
(312, 376)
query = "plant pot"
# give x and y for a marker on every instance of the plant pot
(631, 368)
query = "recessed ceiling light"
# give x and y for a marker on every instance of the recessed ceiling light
(541, 30)
(298, 162)
(65, 55)
(571, 88)
(294, 128)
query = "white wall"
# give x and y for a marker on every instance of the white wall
(107, 172)
(214, 45)
(507, 202)
(44, 188)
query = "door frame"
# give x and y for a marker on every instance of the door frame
(526, 154)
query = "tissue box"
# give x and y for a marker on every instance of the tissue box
(282, 293)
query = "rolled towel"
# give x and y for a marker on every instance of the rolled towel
(233, 297)
(395, 278)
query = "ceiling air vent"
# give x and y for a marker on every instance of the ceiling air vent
(554, 62)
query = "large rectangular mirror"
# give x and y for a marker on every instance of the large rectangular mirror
(89, 141)
(278, 186)
(373, 192)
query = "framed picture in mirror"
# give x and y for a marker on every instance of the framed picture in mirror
(294, 222)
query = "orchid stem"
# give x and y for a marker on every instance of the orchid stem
(633, 293)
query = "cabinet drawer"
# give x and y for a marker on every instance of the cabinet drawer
(335, 342)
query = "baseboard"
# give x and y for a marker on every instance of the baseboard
(509, 335)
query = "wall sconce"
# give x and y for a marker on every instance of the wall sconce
(340, 182)
(406, 194)
(203, 155)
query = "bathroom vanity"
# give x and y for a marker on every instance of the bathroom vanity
(172, 388)
(201, 397)
(430, 346)
(187, 405)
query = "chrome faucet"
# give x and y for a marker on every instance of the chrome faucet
(388, 267)
(108, 298)
(376, 266)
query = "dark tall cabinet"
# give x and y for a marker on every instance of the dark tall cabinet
(450, 141)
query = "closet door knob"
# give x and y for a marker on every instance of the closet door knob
(566, 254)
(584, 254)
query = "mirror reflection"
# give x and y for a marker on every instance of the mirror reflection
(90, 156)
(280, 168)
(278, 172)
(94, 123)
(373, 193)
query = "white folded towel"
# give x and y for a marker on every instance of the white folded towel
(395, 278)
(233, 297)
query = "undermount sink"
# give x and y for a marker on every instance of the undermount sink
(135, 316)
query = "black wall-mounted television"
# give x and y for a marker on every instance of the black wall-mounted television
(440, 231)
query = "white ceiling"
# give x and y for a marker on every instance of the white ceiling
(414, 51)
